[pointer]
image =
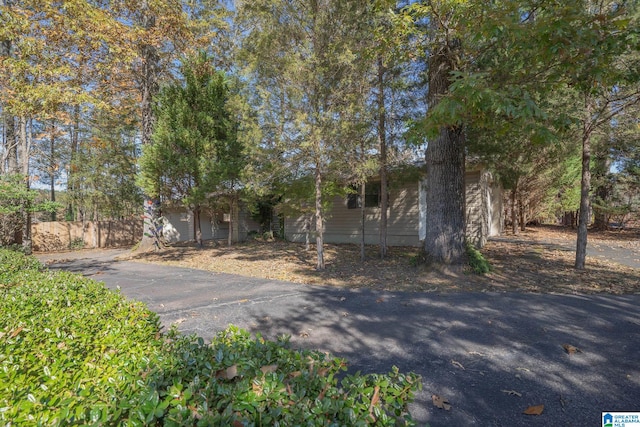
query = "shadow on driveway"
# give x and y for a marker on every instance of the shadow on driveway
(490, 355)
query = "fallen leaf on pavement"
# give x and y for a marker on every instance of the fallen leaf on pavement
(440, 402)
(571, 349)
(457, 364)
(534, 410)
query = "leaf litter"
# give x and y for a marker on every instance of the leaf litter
(550, 270)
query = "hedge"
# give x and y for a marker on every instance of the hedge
(73, 352)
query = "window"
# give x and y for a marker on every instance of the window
(371, 197)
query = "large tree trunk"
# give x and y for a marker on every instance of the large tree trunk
(149, 88)
(585, 186)
(319, 220)
(445, 196)
(382, 140)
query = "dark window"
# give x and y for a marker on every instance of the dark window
(371, 197)
(353, 201)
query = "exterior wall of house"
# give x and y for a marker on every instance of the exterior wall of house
(343, 224)
(212, 224)
(477, 208)
(407, 220)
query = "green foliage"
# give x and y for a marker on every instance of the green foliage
(196, 150)
(72, 352)
(259, 382)
(15, 199)
(477, 261)
(13, 263)
(103, 170)
(77, 243)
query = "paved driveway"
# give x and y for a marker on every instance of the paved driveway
(490, 355)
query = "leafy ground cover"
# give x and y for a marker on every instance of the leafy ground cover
(74, 353)
(537, 260)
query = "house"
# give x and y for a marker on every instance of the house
(214, 225)
(407, 222)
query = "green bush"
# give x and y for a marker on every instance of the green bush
(73, 352)
(477, 261)
(15, 263)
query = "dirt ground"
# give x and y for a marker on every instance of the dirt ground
(538, 260)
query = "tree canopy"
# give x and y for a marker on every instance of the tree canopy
(297, 101)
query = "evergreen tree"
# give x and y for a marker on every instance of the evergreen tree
(195, 154)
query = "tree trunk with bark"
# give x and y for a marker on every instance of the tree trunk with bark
(25, 149)
(52, 171)
(197, 227)
(75, 145)
(363, 193)
(522, 213)
(445, 196)
(602, 192)
(10, 156)
(585, 187)
(319, 219)
(514, 210)
(382, 141)
(149, 88)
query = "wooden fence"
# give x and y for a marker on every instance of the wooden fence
(56, 236)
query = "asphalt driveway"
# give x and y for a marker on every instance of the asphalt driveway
(490, 355)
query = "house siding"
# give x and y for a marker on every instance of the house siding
(212, 225)
(407, 220)
(343, 225)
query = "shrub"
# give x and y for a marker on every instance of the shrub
(13, 264)
(477, 261)
(76, 244)
(73, 352)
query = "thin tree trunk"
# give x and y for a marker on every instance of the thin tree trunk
(514, 212)
(523, 216)
(319, 219)
(307, 232)
(75, 141)
(236, 218)
(585, 186)
(52, 171)
(230, 236)
(25, 148)
(602, 193)
(197, 226)
(10, 156)
(382, 140)
(363, 193)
